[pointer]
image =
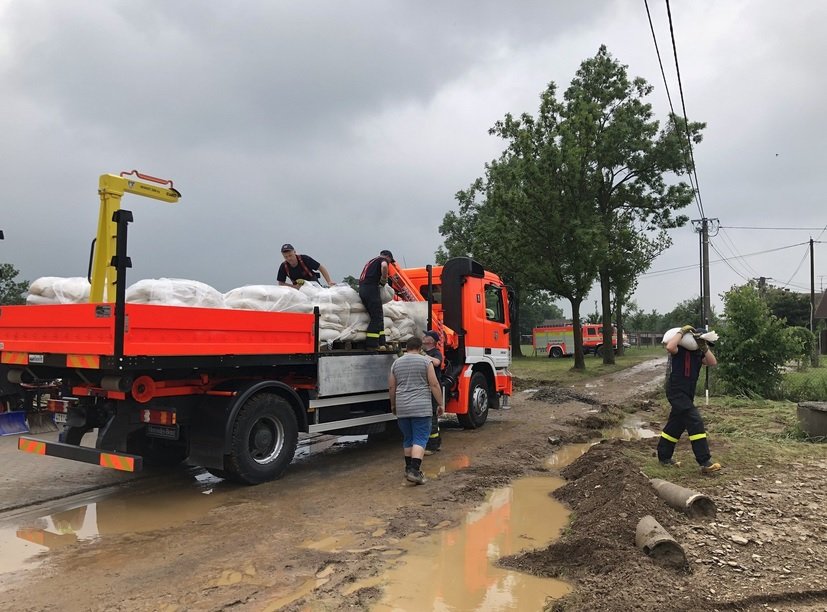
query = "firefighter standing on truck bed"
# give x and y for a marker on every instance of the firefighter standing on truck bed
(374, 276)
(300, 268)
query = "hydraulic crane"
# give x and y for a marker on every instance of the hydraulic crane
(102, 271)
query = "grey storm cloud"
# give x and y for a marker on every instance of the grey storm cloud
(347, 127)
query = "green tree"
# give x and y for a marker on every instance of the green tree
(688, 312)
(625, 157)
(536, 307)
(785, 304)
(631, 255)
(11, 291)
(754, 345)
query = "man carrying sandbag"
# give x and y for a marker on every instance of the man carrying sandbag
(682, 372)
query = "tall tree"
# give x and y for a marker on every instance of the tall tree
(11, 291)
(627, 157)
(632, 254)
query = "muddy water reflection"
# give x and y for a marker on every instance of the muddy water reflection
(25, 543)
(453, 569)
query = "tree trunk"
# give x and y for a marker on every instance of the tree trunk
(516, 349)
(619, 323)
(605, 294)
(579, 361)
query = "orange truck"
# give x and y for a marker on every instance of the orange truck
(558, 340)
(230, 390)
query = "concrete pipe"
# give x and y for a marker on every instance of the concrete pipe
(694, 504)
(658, 544)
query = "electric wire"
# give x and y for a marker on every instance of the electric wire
(692, 266)
(726, 261)
(693, 184)
(693, 170)
(749, 227)
(727, 239)
(798, 267)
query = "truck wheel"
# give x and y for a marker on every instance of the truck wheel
(263, 441)
(555, 352)
(479, 400)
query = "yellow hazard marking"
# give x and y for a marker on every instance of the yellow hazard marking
(699, 436)
(663, 434)
(14, 358)
(83, 361)
(31, 446)
(116, 462)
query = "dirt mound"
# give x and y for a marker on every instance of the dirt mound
(608, 496)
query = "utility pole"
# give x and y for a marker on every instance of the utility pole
(815, 355)
(702, 226)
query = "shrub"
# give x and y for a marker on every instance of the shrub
(754, 345)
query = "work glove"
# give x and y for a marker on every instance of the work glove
(687, 329)
(300, 282)
(702, 345)
(382, 283)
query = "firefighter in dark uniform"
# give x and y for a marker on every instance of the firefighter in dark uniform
(300, 268)
(374, 276)
(429, 345)
(681, 379)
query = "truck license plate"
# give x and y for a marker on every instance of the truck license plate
(60, 417)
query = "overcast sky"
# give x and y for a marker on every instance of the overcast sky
(347, 127)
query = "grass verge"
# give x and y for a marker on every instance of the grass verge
(559, 371)
(746, 436)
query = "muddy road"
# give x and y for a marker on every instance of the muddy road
(343, 529)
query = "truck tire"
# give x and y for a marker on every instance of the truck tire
(555, 352)
(263, 442)
(479, 401)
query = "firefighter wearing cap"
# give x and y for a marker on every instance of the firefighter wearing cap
(682, 373)
(299, 268)
(374, 276)
(430, 342)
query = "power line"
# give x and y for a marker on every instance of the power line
(726, 261)
(695, 191)
(693, 170)
(692, 266)
(798, 267)
(727, 239)
(748, 227)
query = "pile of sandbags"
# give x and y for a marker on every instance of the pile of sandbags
(342, 316)
(174, 292)
(57, 290)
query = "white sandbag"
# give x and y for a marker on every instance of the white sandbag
(688, 340)
(59, 290)
(271, 298)
(174, 292)
(37, 300)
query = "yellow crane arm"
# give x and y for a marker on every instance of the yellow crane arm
(111, 189)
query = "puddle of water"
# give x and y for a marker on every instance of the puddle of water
(567, 454)
(630, 429)
(434, 466)
(25, 545)
(454, 567)
(321, 442)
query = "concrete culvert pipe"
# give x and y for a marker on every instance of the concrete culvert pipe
(658, 544)
(694, 504)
